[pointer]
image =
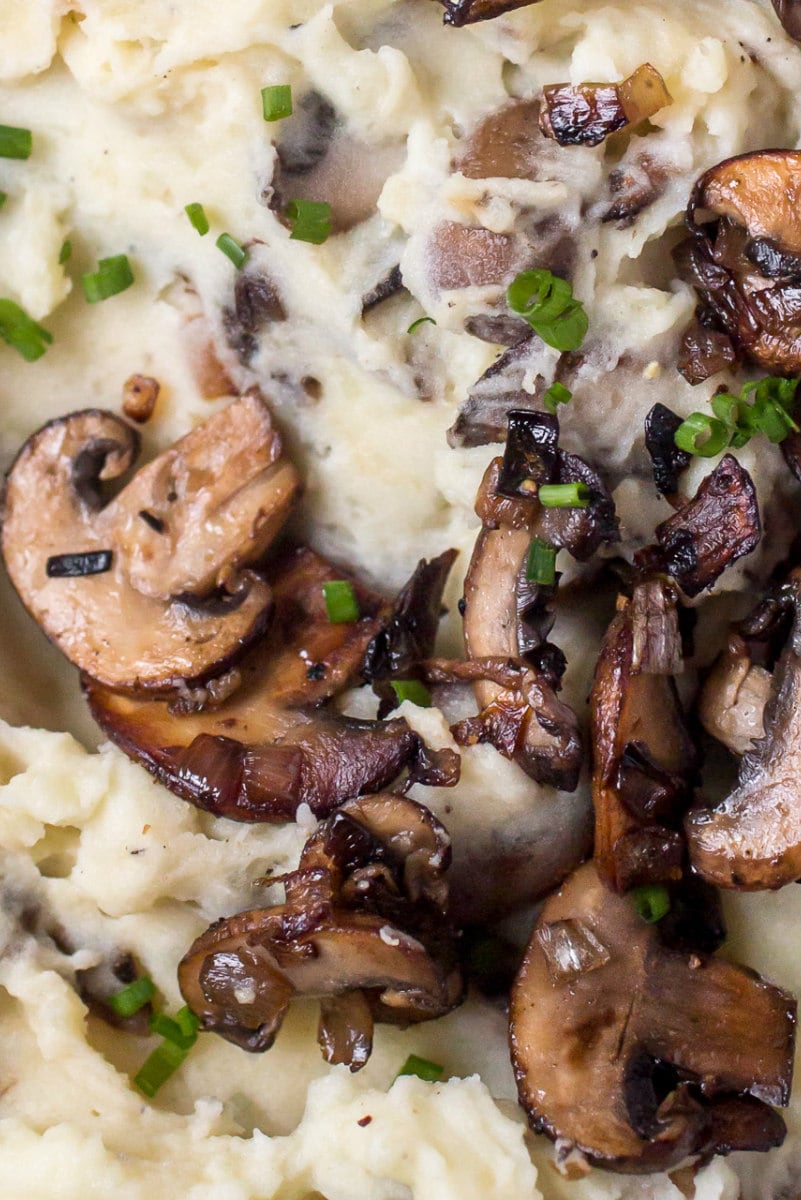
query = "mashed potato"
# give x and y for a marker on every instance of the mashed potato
(138, 108)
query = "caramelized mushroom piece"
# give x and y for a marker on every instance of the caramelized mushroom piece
(637, 1052)
(667, 460)
(587, 113)
(752, 839)
(710, 532)
(746, 261)
(733, 699)
(643, 756)
(273, 744)
(466, 12)
(147, 591)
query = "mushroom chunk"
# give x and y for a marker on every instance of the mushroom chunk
(709, 533)
(732, 703)
(174, 606)
(644, 758)
(789, 13)
(586, 114)
(746, 261)
(273, 744)
(466, 12)
(667, 459)
(639, 1053)
(752, 839)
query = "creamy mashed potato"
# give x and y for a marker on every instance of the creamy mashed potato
(139, 107)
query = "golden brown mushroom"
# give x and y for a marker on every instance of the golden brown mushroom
(586, 113)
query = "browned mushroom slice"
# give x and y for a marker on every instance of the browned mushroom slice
(463, 256)
(639, 1054)
(56, 528)
(269, 747)
(242, 974)
(644, 758)
(257, 302)
(466, 12)
(752, 840)
(789, 13)
(587, 113)
(667, 460)
(746, 262)
(709, 533)
(505, 145)
(733, 699)
(634, 186)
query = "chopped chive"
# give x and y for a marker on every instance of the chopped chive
(181, 1029)
(541, 563)
(187, 1022)
(420, 321)
(564, 495)
(556, 394)
(548, 304)
(310, 220)
(132, 998)
(15, 143)
(159, 1067)
(3, 198)
(276, 101)
(340, 601)
(231, 249)
(652, 902)
(113, 275)
(197, 218)
(65, 253)
(411, 689)
(23, 333)
(702, 435)
(423, 1068)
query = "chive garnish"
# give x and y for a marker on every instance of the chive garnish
(3, 198)
(652, 902)
(276, 101)
(15, 143)
(564, 495)
(340, 601)
(231, 249)
(411, 689)
(702, 435)
(65, 253)
(548, 304)
(113, 275)
(420, 321)
(737, 418)
(132, 998)
(310, 220)
(541, 563)
(556, 394)
(23, 333)
(179, 1034)
(423, 1068)
(197, 218)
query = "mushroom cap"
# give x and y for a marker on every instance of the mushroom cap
(760, 191)
(103, 622)
(637, 1053)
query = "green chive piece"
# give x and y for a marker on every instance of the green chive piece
(420, 321)
(182, 1029)
(556, 394)
(276, 101)
(159, 1067)
(113, 275)
(411, 689)
(702, 435)
(187, 1022)
(15, 143)
(564, 495)
(231, 249)
(310, 220)
(340, 602)
(132, 998)
(23, 333)
(541, 563)
(3, 198)
(197, 218)
(423, 1068)
(652, 902)
(548, 304)
(65, 253)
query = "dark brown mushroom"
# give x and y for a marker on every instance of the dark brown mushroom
(585, 114)
(139, 396)
(271, 746)
(789, 13)
(667, 460)
(467, 12)
(167, 603)
(257, 302)
(708, 533)
(746, 261)
(752, 839)
(643, 757)
(637, 1053)
(634, 186)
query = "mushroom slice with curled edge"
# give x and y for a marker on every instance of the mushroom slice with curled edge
(708, 533)
(732, 703)
(643, 757)
(585, 114)
(171, 604)
(752, 839)
(640, 1053)
(746, 261)
(273, 744)
(467, 12)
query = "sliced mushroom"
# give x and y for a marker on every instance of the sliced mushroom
(789, 13)
(270, 746)
(667, 459)
(637, 1053)
(746, 262)
(257, 302)
(585, 114)
(752, 839)
(643, 757)
(466, 12)
(634, 185)
(733, 699)
(483, 415)
(462, 256)
(709, 533)
(167, 603)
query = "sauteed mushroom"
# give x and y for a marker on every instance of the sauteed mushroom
(789, 13)
(639, 1052)
(167, 602)
(733, 699)
(466, 12)
(586, 113)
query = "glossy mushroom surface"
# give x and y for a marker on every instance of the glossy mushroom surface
(585, 114)
(466, 12)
